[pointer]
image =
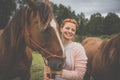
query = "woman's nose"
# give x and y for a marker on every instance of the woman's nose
(70, 31)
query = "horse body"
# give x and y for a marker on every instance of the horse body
(29, 30)
(91, 45)
(105, 62)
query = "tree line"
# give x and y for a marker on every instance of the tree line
(96, 25)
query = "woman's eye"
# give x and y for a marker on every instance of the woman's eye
(67, 28)
(73, 30)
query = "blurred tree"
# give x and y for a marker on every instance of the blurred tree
(111, 24)
(23, 2)
(61, 12)
(95, 24)
(6, 10)
(82, 29)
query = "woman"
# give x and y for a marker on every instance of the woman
(76, 59)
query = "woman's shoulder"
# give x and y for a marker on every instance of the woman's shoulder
(79, 50)
(77, 44)
(78, 47)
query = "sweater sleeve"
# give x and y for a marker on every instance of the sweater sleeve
(79, 64)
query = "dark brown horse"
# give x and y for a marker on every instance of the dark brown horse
(32, 28)
(103, 58)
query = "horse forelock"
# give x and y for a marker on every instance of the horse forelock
(45, 12)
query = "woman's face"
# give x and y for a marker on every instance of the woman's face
(68, 31)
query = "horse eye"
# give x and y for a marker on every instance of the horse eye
(36, 22)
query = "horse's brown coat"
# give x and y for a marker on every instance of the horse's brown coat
(103, 58)
(27, 25)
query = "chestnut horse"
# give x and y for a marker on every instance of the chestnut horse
(33, 27)
(103, 58)
(91, 45)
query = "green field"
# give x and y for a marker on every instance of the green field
(37, 67)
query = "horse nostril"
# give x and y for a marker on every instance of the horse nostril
(60, 66)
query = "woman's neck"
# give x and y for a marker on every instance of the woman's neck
(66, 41)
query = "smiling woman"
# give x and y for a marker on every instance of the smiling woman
(76, 60)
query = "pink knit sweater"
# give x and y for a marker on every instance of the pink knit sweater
(77, 63)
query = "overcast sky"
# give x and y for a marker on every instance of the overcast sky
(89, 7)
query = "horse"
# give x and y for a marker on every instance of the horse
(33, 27)
(91, 45)
(103, 58)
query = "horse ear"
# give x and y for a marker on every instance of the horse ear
(30, 3)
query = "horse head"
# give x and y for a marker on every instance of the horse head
(42, 34)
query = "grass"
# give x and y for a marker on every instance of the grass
(37, 67)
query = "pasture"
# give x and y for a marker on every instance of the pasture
(37, 67)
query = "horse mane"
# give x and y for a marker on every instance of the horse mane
(12, 40)
(110, 50)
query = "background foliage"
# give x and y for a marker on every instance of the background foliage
(6, 10)
(97, 25)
